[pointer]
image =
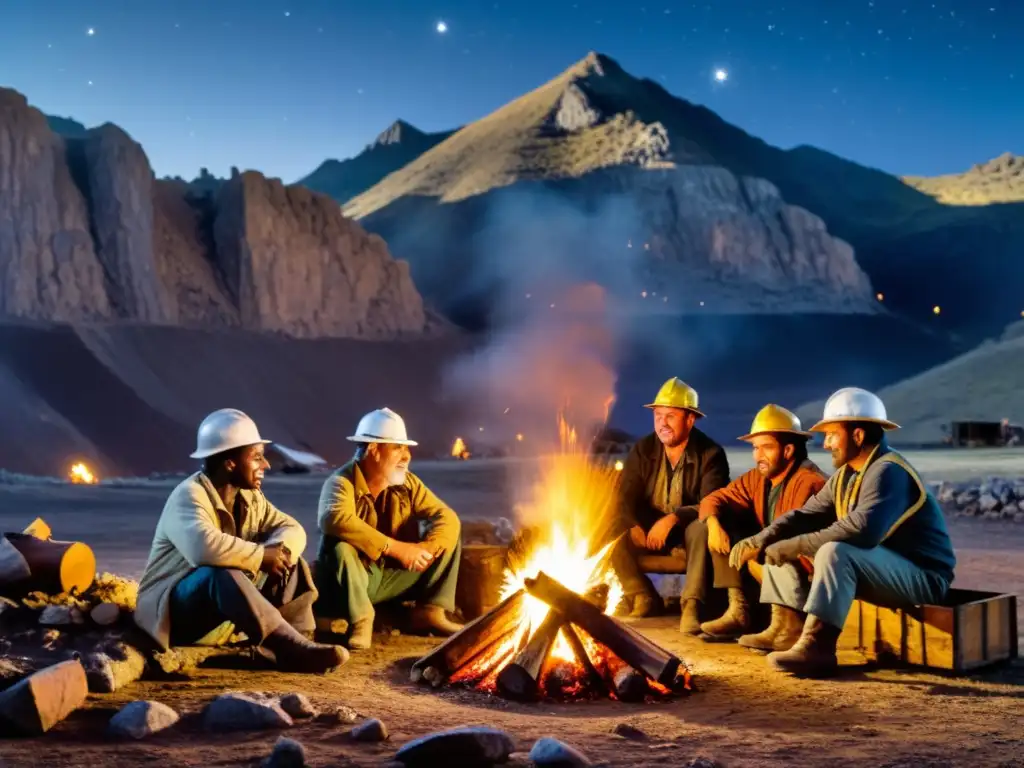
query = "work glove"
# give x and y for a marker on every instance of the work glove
(742, 551)
(781, 552)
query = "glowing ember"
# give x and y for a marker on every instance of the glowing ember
(619, 466)
(459, 449)
(81, 475)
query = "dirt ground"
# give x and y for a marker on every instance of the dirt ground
(742, 714)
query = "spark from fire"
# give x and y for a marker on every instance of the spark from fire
(519, 437)
(936, 309)
(459, 449)
(619, 466)
(80, 474)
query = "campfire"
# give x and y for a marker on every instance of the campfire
(80, 474)
(459, 449)
(552, 636)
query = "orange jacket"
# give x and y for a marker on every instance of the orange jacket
(748, 492)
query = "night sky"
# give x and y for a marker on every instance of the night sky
(911, 87)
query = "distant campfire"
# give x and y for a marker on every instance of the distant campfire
(80, 474)
(552, 636)
(459, 449)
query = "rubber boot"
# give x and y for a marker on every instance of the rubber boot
(432, 619)
(814, 654)
(294, 653)
(781, 635)
(689, 622)
(733, 623)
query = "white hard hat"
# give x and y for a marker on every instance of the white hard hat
(223, 430)
(382, 426)
(854, 404)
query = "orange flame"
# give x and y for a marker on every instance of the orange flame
(459, 449)
(80, 474)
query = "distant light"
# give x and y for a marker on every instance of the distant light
(644, 294)
(702, 303)
(519, 437)
(880, 296)
(1022, 313)
(619, 466)
(721, 75)
(90, 31)
(936, 309)
(481, 429)
(442, 27)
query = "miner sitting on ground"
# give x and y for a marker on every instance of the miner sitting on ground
(874, 532)
(783, 479)
(664, 479)
(371, 546)
(224, 559)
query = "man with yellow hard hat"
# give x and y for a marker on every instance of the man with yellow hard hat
(783, 479)
(665, 476)
(874, 531)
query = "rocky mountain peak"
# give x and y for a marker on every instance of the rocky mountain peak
(397, 133)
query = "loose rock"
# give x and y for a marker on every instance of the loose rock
(346, 715)
(552, 752)
(56, 616)
(370, 730)
(458, 745)
(245, 712)
(703, 762)
(298, 706)
(105, 614)
(139, 719)
(39, 702)
(114, 667)
(627, 731)
(288, 753)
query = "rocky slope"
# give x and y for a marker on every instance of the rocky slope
(585, 153)
(398, 145)
(93, 236)
(1000, 180)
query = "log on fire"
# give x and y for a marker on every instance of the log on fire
(625, 642)
(473, 639)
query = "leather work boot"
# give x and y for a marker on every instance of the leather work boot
(814, 654)
(733, 623)
(360, 634)
(431, 618)
(294, 653)
(781, 635)
(645, 605)
(689, 622)
(624, 608)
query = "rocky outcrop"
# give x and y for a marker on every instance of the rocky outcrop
(1000, 180)
(92, 235)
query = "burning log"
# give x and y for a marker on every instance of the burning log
(470, 641)
(626, 643)
(630, 685)
(592, 675)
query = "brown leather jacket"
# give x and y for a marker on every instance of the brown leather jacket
(748, 492)
(706, 470)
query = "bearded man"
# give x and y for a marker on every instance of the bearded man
(783, 479)
(665, 477)
(372, 547)
(874, 532)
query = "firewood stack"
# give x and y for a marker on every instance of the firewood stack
(499, 653)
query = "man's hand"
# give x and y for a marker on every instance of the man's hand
(658, 535)
(276, 560)
(412, 557)
(744, 550)
(718, 539)
(638, 536)
(782, 552)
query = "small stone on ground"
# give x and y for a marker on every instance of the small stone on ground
(298, 706)
(552, 752)
(459, 745)
(288, 753)
(370, 730)
(245, 712)
(139, 719)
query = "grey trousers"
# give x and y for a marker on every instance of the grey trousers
(225, 600)
(843, 572)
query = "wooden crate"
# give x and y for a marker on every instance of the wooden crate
(971, 629)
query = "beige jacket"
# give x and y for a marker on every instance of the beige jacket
(195, 529)
(347, 512)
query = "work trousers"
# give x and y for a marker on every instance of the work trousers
(211, 604)
(842, 573)
(349, 587)
(702, 565)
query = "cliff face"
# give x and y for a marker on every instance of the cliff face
(1000, 180)
(90, 234)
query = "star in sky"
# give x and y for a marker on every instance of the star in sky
(721, 75)
(90, 31)
(442, 27)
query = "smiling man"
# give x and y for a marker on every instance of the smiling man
(226, 560)
(874, 531)
(372, 546)
(666, 475)
(783, 479)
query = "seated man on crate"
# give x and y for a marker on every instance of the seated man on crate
(666, 475)
(372, 548)
(224, 559)
(874, 532)
(783, 479)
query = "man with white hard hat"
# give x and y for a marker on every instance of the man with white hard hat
(874, 531)
(371, 546)
(216, 539)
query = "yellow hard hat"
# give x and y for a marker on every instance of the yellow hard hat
(676, 393)
(774, 418)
